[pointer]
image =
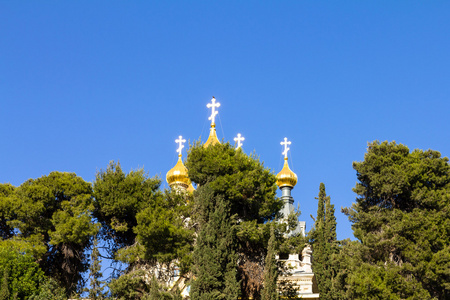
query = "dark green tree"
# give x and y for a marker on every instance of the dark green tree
(325, 246)
(165, 231)
(270, 291)
(119, 197)
(7, 201)
(145, 228)
(401, 219)
(53, 214)
(215, 257)
(49, 289)
(244, 190)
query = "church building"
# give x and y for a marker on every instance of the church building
(300, 275)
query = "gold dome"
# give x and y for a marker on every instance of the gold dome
(212, 139)
(286, 177)
(178, 175)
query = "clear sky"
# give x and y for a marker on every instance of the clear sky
(86, 82)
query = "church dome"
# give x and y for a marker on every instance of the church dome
(286, 177)
(212, 139)
(178, 175)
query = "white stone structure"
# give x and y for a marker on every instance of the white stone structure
(298, 271)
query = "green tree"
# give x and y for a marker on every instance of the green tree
(54, 214)
(19, 271)
(401, 219)
(270, 291)
(215, 257)
(7, 201)
(146, 229)
(49, 289)
(165, 231)
(325, 246)
(119, 197)
(96, 284)
(241, 187)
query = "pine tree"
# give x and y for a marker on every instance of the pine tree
(401, 220)
(270, 270)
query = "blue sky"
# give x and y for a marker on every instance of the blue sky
(86, 82)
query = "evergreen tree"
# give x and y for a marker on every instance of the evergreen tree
(53, 215)
(215, 259)
(401, 219)
(248, 192)
(270, 291)
(21, 275)
(119, 197)
(324, 245)
(96, 290)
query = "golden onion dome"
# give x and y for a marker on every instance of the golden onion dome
(212, 139)
(178, 175)
(286, 177)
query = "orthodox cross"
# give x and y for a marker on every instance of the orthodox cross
(214, 112)
(180, 141)
(286, 149)
(239, 139)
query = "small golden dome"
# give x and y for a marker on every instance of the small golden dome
(286, 177)
(178, 175)
(212, 139)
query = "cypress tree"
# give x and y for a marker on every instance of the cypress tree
(323, 240)
(270, 270)
(96, 290)
(214, 257)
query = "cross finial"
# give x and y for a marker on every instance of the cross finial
(239, 139)
(286, 149)
(214, 112)
(180, 141)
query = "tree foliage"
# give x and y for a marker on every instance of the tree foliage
(119, 197)
(325, 247)
(402, 220)
(243, 190)
(270, 290)
(146, 228)
(215, 257)
(19, 273)
(53, 214)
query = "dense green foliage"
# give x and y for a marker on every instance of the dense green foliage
(215, 257)
(243, 191)
(270, 291)
(19, 273)
(145, 227)
(402, 220)
(119, 197)
(53, 214)
(165, 231)
(49, 289)
(324, 245)
(225, 234)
